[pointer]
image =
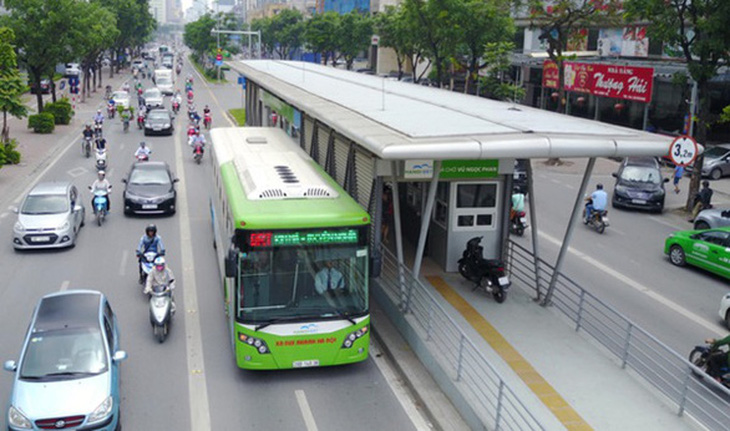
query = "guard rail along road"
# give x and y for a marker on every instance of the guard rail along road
(670, 373)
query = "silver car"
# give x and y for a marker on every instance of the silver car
(153, 98)
(717, 162)
(49, 217)
(67, 376)
(712, 218)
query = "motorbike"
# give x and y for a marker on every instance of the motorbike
(485, 273)
(161, 311)
(125, 122)
(207, 120)
(176, 107)
(100, 205)
(518, 223)
(700, 355)
(108, 92)
(98, 129)
(101, 164)
(110, 110)
(142, 157)
(198, 153)
(86, 147)
(178, 69)
(598, 220)
(140, 120)
(145, 265)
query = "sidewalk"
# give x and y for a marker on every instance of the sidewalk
(39, 150)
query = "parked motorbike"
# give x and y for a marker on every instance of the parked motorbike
(485, 273)
(161, 311)
(207, 120)
(518, 223)
(198, 153)
(86, 147)
(101, 200)
(598, 220)
(101, 163)
(700, 355)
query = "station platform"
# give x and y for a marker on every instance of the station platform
(563, 378)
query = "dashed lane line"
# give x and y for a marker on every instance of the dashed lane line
(306, 411)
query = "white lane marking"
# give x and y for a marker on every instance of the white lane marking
(712, 327)
(64, 285)
(197, 388)
(614, 230)
(666, 223)
(3, 215)
(77, 172)
(123, 263)
(402, 394)
(306, 411)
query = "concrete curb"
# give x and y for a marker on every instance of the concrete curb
(439, 410)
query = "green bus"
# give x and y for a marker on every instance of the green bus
(292, 249)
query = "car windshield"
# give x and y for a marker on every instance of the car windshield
(716, 152)
(65, 353)
(640, 174)
(152, 93)
(300, 283)
(163, 81)
(119, 95)
(45, 204)
(148, 177)
(157, 115)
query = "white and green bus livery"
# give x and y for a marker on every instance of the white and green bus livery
(293, 254)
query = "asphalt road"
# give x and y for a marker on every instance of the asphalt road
(191, 381)
(626, 266)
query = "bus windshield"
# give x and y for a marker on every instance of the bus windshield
(298, 283)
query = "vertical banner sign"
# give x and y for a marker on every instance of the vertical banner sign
(550, 74)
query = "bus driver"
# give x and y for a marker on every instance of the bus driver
(329, 280)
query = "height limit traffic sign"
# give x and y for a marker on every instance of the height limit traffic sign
(683, 150)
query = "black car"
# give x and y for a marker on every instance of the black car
(639, 184)
(158, 121)
(150, 189)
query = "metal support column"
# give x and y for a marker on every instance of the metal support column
(377, 217)
(397, 225)
(426, 219)
(569, 230)
(533, 221)
(506, 210)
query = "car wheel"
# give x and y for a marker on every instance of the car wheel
(701, 225)
(676, 255)
(716, 174)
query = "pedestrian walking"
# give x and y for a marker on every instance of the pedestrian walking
(678, 174)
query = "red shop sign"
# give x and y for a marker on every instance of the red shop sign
(550, 74)
(623, 82)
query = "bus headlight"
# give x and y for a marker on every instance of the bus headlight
(352, 336)
(256, 343)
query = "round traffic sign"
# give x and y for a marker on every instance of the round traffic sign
(683, 150)
(219, 57)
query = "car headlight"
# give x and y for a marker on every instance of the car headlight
(16, 419)
(351, 337)
(166, 125)
(64, 226)
(19, 226)
(102, 412)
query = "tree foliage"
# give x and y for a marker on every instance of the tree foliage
(699, 29)
(320, 34)
(353, 35)
(287, 29)
(12, 86)
(197, 36)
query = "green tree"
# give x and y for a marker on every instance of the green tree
(436, 27)
(268, 40)
(288, 31)
(480, 23)
(699, 28)
(197, 36)
(47, 41)
(559, 20)
(320, 33)
(96, 32)
(11, 84)
(353, 35)
(134, 22)
(397, 32)
(497, 56)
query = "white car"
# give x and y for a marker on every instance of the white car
(73, 69)
(165, 85)
(138, 64)
(725, 309)
(121, 98)
(153, 97)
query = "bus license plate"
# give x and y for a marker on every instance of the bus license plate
(305, 364)
(149, 206)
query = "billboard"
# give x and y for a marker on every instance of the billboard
(605, 80)
(623, 42)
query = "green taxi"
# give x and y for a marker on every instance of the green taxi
(707, 249)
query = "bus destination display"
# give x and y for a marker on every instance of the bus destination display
(287, 239)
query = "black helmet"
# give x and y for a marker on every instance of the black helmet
(599, 186)
(706, 183)
(151, 228)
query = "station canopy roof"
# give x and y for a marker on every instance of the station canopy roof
(399, 120)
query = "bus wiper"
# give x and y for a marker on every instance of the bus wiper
(272, 321)
(344, 315)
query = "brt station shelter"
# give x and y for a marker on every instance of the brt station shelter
(450, 156)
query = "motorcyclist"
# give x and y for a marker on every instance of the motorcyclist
(206, 110)
(101, 184)
(99, 117)
(126, 115)
(100, 144)
(596, 202)
(143, 151)
(88, 133)
(518, 203)
(718, 359)
(125, 87)
(161, 275)
(178, 97)
(150, 241)
(111, 107)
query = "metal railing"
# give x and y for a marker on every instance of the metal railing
(489, 396)
(684, 385)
